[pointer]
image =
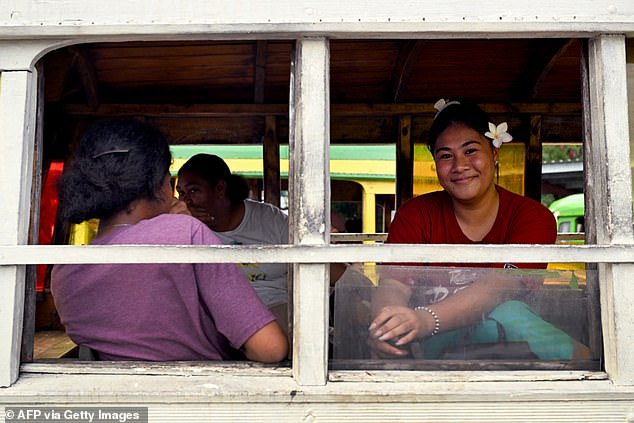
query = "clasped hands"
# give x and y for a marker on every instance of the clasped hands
(394, 328)
(180, 207)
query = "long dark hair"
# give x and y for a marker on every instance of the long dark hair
(116, 162)
(213, 169)
(463, 112)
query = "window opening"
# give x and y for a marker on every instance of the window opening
(426, 73)
(351, 123)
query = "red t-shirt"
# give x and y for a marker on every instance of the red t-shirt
(430, 219)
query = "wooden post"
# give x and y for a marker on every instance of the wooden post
(28, 330)
(612, 196)
(404, 161)
(533, 175)
(309, 186)
(271, 154)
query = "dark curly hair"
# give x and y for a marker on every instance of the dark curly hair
(116, 162)
(213, 169)
(463, 112)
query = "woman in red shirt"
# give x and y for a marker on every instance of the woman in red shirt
(471, 209)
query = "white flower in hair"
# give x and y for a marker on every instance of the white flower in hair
(498, 134)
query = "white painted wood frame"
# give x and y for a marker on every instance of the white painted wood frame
(309, 198)
(612, 201)
(18, 93)
(357, 253)
(173, 392)
(89, 20)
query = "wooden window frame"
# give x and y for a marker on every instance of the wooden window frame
(609, 222)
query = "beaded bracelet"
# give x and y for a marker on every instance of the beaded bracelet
(434, 315)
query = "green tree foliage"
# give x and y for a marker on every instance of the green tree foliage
(561, 152)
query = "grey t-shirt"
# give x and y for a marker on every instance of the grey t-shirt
(263, 223)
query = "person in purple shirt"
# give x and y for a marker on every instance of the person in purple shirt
(159, 312)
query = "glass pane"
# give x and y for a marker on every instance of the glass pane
(535, 316)
(564, 227)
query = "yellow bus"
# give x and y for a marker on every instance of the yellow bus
(362, 176)
(363, 179)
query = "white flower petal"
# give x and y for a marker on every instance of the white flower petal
(502, 127)
(506, 137)
(489, 135)
(497, 143)
(492, 128)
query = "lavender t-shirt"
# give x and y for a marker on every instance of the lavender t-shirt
(159, 312)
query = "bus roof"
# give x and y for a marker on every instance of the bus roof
(346, 161)
(572, 205)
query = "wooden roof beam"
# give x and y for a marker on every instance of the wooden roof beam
(360, 110)
(260, 71)
(87, 74)
(547, 54)
(408, 55)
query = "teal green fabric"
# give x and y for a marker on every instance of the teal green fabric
(520, 323)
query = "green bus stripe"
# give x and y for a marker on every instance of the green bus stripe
(337, 152)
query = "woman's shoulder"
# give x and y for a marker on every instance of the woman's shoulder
(527, 211)
(173, 229)
(521, 202)
(173, 220)
(265, 223)
(265, 210)
(525, 220)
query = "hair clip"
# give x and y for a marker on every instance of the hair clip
(441, 104)
(110, 152)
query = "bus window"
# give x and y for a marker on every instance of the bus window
(569, 212)
(563, 226)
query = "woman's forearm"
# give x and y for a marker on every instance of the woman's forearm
(390, 292)
(471, 304)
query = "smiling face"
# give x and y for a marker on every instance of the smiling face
(203, 200)
(465, 163)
